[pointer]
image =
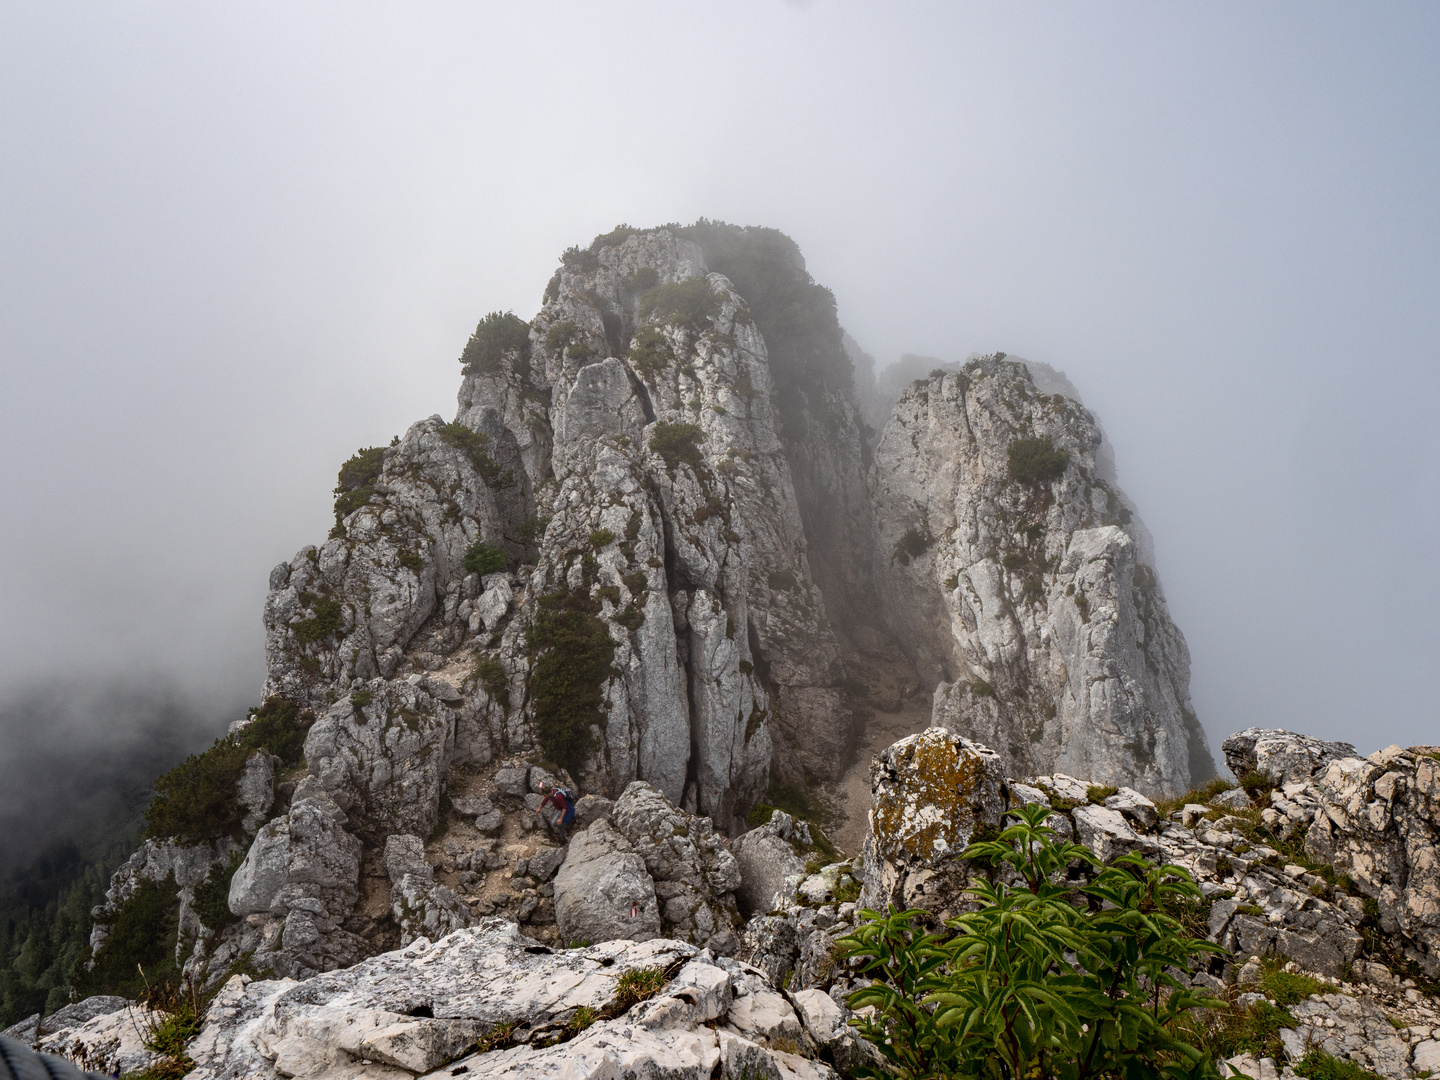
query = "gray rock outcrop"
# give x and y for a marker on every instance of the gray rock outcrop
(603, 891)
(296, 886)
(1019, 588)
(419, 1011)
(421, 906)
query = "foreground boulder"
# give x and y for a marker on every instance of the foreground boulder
(1378, 825)
(603, 891)
(930, 793)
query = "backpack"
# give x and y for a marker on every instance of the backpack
(567, 795)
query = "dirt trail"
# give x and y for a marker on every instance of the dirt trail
(850, 795)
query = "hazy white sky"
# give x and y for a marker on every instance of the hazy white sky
(238, 241)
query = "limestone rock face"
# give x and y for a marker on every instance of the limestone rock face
(384, 761)
(297, 884)
(417, 1010)
(673, 509)
(1025, 594)
(929, 793)
(188, 865)
(1282, 757)
(1379, 824)
(602, 890)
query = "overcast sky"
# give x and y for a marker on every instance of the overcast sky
(238, 241)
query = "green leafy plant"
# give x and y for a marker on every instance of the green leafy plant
(489, 672)
(584, 1016)
(1318, 1065)
(497, 333)
(482, 557)
(1045, 979)
(497, 1038)
(650, 353)
(1287, 987)
(142, 938)
(600, 538)
(1036, 461)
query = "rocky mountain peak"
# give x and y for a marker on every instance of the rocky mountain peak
(1012, 577)
(657, 545)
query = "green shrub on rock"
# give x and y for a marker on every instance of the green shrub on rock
(197, 800)
(678, 443)
(140, 947)
(483, 558)
(355, 483)
(690, 303)
(498, 333)
(1036, 461)
(573, 652)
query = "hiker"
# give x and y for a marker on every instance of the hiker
(564, 802)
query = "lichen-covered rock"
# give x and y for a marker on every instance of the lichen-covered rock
(929, 794)
(1019, 587)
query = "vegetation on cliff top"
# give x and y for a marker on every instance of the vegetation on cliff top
(498, 333)
(197, 800)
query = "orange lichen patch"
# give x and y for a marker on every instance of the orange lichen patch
(930, 791)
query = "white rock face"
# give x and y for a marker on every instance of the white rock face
(297, 884)
(1027, 599)
(415, 1011)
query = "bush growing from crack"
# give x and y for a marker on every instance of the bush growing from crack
(483, 557)
(677, 443)
(356, 480)
(573, 652)
(690, 303)
(1036, 461)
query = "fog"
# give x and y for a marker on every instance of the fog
(239, 241)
